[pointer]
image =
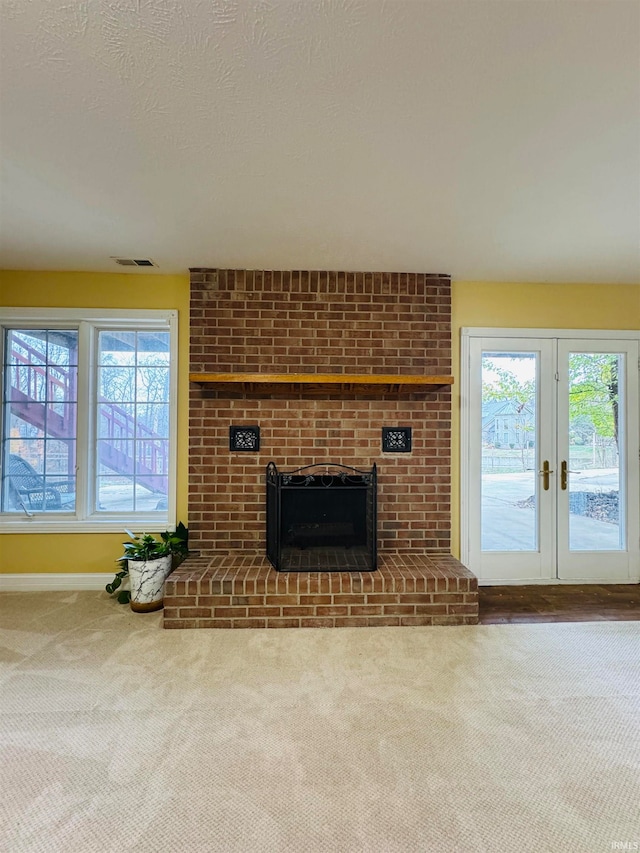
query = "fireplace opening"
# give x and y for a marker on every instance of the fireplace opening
(322, 517)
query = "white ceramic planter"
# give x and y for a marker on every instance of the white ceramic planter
(147, 583)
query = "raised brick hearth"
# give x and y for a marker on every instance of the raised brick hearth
(319, 323)
(243, 591)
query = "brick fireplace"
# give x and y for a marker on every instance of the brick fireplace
(327, 360)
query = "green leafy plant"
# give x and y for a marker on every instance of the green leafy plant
(178, 543)
(124, 596)
(146, 547)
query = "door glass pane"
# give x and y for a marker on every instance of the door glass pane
(509, 479)
(593, 479)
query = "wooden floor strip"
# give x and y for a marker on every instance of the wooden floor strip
(559, 603)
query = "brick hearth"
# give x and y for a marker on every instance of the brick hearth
(243, 591)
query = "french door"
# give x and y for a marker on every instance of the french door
(549, 455)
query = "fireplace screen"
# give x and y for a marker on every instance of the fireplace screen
(321, 518)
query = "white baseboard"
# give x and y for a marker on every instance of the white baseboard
(44, 581)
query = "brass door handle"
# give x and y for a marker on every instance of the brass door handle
(546, 471)
(564, 470)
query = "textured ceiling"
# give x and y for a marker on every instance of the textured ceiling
(488, 140)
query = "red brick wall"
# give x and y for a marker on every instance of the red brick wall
(319, 322)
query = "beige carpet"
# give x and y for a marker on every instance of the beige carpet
(117, 735)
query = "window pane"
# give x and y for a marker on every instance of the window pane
(117, 383)
(40, 476)
(152, 420)
(593, 479)
(62, 347)
(153, 348)
(60, 459)
(115, 494)
(26, 382)
(115, 454)
(151, 459)
(152, 384)
(39, 439)
(116, 420)
(118, 494)
(509, 482)
(133, 421)
(26, 347)
(117, 348)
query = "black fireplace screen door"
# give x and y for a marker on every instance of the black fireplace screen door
(322, 518)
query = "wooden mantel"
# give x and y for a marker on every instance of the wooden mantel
(373, 380)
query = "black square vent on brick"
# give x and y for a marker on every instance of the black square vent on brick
(244, 438)
(396, 439)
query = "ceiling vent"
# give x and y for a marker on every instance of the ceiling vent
(134, 262)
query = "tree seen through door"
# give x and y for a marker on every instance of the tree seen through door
(509, 461)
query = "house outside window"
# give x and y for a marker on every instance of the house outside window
(89, 419)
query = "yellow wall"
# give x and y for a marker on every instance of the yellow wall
(95, 552)
(474, 304)
(530, 306)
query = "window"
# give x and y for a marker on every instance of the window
(88, 427)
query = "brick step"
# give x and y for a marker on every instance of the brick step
(242, 590)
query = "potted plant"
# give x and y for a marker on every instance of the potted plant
(147, 562)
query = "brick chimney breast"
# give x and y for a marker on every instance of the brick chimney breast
(310, 321)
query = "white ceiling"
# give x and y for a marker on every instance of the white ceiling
(490, 140)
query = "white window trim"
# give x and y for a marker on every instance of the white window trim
(89, 321)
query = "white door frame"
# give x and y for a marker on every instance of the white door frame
(467, 503)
